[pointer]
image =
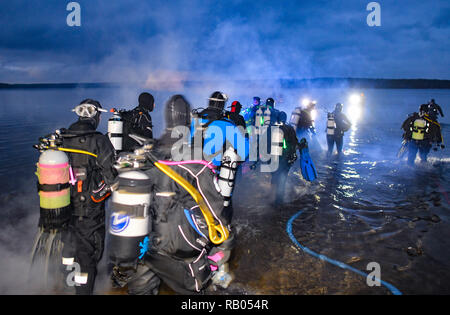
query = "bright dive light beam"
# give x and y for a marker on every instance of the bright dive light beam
(354, 113)
(313, 114)
(355, 99)
(305, 102)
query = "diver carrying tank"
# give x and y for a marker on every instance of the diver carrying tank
(227, 176)
(130, 222)
(115, 130)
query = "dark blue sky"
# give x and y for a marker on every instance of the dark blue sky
(138, 40)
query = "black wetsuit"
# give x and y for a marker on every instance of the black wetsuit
(434, 110)
(431, 134)
(288, 157)
(342, 125)
(86, 235)
(238, 120)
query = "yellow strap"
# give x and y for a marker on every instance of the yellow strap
(213, 229)
(431, 121)
(77, 151)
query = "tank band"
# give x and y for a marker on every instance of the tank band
(51, 188)
(132, 210)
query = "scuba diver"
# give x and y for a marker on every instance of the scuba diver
(337, 125)
(89, 170)
(283, 153)
(180, 249)
(234, 114)
(249, 113)
(213, 133)
(420, 132)
(138, 121)
(434, 110)
(267, 115)
(287, 158)
(303, 121)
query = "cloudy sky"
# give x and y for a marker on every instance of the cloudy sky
(142, 40)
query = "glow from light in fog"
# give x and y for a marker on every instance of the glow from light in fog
(354, 110)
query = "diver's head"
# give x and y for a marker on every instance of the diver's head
(256, 101)
(432, 101)
(236, 107)
(177, 112)
(270, 102)
(89, 110)
(218, 100)
(146, 102)
(338, 107)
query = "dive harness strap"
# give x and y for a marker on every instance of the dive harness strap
(131, 210)
(52, 188)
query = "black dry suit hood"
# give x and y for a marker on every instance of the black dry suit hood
(146, 102)
(95, 121)
(177, 112)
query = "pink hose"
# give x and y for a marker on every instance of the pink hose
(173, 163)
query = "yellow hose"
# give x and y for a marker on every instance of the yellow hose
(77, 151)
(213, 229)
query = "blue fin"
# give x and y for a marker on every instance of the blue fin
(307, 167)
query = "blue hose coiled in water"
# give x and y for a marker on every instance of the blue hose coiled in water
(393, 289)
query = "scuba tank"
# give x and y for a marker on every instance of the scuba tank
(129, 222)
(227, 176)
(277, 141)
(54, 189)
(419, 129)
(259, 120)
(53, 172)
(115, 130)
(331, 124)
(295, 117)
(267, 116)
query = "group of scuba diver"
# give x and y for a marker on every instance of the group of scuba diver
(421, 131)
(170, 204)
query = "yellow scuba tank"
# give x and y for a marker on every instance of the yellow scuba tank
(53, 188)
(418, 129)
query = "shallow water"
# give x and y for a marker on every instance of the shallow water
(366, 206)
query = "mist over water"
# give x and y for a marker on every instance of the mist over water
(365, 206)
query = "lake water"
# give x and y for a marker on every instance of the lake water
(366, 206)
